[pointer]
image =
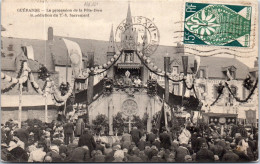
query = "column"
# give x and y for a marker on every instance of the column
(110, 116)
(166, 80)
(149, 120)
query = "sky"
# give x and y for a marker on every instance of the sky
(167, 16)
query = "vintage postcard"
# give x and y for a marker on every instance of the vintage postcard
(129, 81)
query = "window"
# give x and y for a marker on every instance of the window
(233, 74)
(202, 91)
(215, 91)
(201, 73)
(175, 89)
(175, 70)
(10, 55)
(10, 47)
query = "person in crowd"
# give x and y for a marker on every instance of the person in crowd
(99, 146)
(126, 140)
(80, 126)
(54, 154)
(16, 153)
(80, 154)
(181, 152)
(136, 135)
(38, 154)
(118, 156)
(87, 140)
(68, 132)
(22, 134)
(151, 136)
(165, 139)
(204, 155)
(202, 145)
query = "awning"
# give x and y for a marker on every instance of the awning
(220, 114)
(128, 66)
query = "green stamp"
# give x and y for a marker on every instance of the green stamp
(217, 25)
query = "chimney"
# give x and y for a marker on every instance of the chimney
(50, 33)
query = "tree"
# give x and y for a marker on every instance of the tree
(138, 122)
(100, 124)
(118, 123)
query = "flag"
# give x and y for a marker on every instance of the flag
(185, 71)
(161, 122)
(75, 55)
(196, 64)
(28, 52)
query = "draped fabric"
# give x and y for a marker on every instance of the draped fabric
(189, 103)
(97, 92)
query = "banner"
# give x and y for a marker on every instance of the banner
(196, 64)
(28, 52)
(75, 55)
(251, 116)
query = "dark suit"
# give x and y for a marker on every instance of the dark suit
(230, 157)
(87, 140)
(23, 135)
(204, 155)
(68, 133)
(79, 155)
(151, 137)
(165, 139)
(136, 135)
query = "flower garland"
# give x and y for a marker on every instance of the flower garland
(248, 97)
(107, 65)
(192, 86)
(46, 87)
(163, 74)
(57, 92)
(20, 78)
(57, 102)
(220, 92)
(7, 89)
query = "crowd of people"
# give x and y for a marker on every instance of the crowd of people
(73, 142)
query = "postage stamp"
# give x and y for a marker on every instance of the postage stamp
(217, 24)
(137, 33)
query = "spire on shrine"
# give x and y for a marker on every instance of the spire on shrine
(129, 21)
(129, 35)
(111, 45)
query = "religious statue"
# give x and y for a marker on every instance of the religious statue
(127, 79)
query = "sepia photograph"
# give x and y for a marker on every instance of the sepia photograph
(138, 81)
